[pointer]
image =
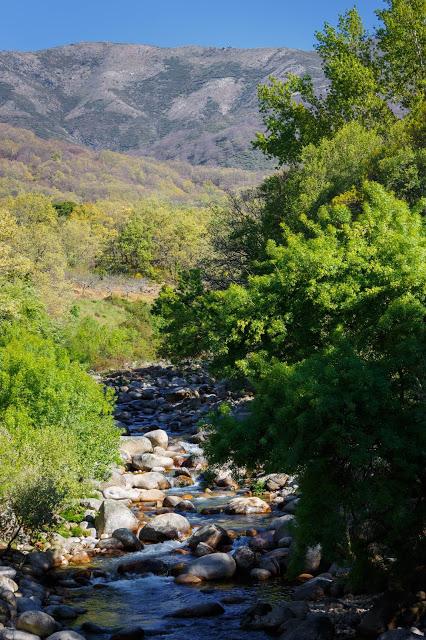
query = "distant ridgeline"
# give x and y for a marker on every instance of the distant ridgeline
(197, 104)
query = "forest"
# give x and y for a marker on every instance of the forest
(306, 287)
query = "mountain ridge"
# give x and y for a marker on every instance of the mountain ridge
(191, 103)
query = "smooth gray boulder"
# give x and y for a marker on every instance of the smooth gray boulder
(128, 539)
(17, 634)
(216, 566)
(158, 438)
(131, 445)
(113, 515)
(246, 506)
(148, 480)
(149, 461)
(37, 622)
(66, 634)
(167, 526)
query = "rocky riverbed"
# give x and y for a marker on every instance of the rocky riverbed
(171, 550)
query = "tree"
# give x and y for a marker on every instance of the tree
(333, 339)
(295, 115)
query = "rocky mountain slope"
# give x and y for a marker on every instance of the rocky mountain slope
(189, 103)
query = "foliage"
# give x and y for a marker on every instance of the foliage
(365, 75)
(31, 509)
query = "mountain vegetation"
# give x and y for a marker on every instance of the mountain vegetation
(316, 296)
(196, 104)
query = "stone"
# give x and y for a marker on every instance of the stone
(28, 604)
(114, 515)
(172, 501)
(132, 446)
(128, 539)
(216, 566)
(148, 480)
(245, 558)
(203, 549)
(62, 611)
(283, 526)
(202, 610)
(245, 506)
(151, 495)
(91, 503)
(167, 526)
(185, 505)
(211, 534)
(120, 493)
(158, 438)
(129, 633)
(312, 559)
(314, 589)
(37, 622)
(110, 544)
(66, 634)
(275, 481)
(187, 579)
(8, 572)
(16, 634)
(8, 584)
(269, 618)
(142, 565)
(150, 461)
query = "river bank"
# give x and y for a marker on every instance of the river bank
(172, 551)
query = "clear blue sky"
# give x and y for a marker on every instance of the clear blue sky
(36, 24)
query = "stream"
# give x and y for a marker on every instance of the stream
(118, 602)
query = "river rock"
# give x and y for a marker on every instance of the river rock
(149, 461)
(110, 544)
(314, 589)
(246, 506)
(28, 604)
(132, 446)
(158, 438)
(120, 493)
(202, 610)
(245, 558)
(167, 526)
(62, 611)
(16, 634)
(275, 481)
(142, 565)
(283, 527)
(37, 622)
(266, 617)
(128, 539)
(114, 515)
(8, 584)
(216, 566)
(8, 572)
(40, 562)
(148, 480)
(202, 549)
(66, 634)
(211, 534)
(172, 501)
(151, 495)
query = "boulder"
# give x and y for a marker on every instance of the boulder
(149, 461)
(8, 572)
(62, 611)
(245, 558)
(110, 544)
(37, 622)
(148, 480)
(167, 526)
(132, 446)
(202, 610)
(142, 565)
(16, 634)
(260, 574)
(211, 534)
(283, 527)
(203, 549)
(66, 634)
(275, 481)
(40, 562)
(120, 493)
(216, 566)
(158, 438)
(114, 515)
(128, 539)
(8, 584)
(172, 501)
(246, 506)
(266, 617)
(151, 495)
(314, 589)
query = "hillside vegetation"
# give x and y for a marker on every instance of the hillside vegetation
(68, 171)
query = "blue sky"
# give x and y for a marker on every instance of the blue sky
(36, 24)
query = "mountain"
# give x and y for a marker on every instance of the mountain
(197, 104)
(69, 171)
